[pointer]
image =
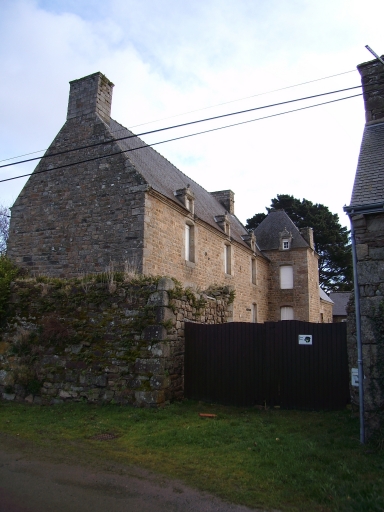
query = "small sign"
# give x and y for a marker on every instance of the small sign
(305, 339)
(355, 377)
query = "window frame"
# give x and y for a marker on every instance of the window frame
(286, 309)
(228, 259)
(189, 242)
(286, 278)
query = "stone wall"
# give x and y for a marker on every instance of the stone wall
(105, 339)
(304, 296)
(164, 252)
(369, 231)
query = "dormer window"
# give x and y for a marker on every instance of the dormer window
(187, 198)
(223, 222)
(285, 240)
(250, 239)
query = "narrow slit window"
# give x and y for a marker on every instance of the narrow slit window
(253, 270)
(227, 259)
(187, 242)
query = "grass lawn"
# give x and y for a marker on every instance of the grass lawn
(286, 460)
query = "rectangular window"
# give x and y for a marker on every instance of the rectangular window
(187, 242)
(253, 270)
(286, 277)
(285, 245)
(286, 313)
(227, 259)
(254, 313)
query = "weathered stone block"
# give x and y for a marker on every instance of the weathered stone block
(164, 314)
(6, 378)
(166, 283)
(149, 397)
(154, 332)
(362, 251)
(159, 382)
(159, 298)
(148, 366)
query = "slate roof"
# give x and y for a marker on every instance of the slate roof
(165, 178)
(369, 180)
(268, 232)
(324, 296)
(340, 301)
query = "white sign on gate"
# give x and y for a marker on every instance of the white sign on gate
(305, 339)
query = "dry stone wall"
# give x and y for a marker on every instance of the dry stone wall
(101, 340)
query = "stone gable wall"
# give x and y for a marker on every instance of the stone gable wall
(78, 219)
(100, 340)
(164, 253)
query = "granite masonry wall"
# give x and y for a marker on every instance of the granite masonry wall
(369, 232)
(90, 209)
(164, 252)
(105, 339)
(304, 296)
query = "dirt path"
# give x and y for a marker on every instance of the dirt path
(29, 483)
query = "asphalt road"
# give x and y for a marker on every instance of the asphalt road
(29, 483)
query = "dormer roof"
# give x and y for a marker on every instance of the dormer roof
(269, 232)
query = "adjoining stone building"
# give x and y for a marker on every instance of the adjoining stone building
(366, 212)
(101, 194)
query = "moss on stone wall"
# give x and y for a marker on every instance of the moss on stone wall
(99, 338)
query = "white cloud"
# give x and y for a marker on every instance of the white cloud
(171, 57)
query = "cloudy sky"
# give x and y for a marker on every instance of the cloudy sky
(199, 58)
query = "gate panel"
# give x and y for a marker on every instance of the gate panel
(246, 364)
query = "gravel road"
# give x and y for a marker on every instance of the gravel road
(33, 483)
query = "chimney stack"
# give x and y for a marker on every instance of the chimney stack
(226, 198)
(91, 94)
(372, 80)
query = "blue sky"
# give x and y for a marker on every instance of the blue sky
(168, 57)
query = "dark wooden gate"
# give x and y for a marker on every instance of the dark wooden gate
(247, 364)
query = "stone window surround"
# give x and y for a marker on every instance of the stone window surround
(253, 270)
(189, 243)
(285, 245)
(228, 259)
(187, 198)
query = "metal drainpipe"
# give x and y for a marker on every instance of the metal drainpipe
(358, 335)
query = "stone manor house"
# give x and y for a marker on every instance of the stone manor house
(107, 196)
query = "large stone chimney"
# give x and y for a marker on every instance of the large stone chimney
(372, 79)
(89, 95)
(226, 198)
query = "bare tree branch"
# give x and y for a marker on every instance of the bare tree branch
(4, 227)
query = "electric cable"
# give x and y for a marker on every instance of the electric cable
(211, 106)
(180, 126)
(242, 99)
(178, 138)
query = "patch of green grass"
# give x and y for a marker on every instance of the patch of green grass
(286, 460)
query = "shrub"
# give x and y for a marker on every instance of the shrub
(8, 272)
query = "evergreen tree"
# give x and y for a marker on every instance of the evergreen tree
(331, 239)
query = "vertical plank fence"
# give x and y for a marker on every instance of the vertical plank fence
(246, 364)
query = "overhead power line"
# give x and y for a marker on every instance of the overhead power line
(178, 138)
(245, 98)
(179, 126)
(211, 106)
